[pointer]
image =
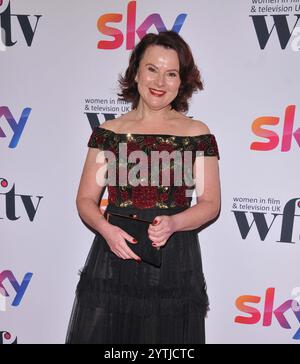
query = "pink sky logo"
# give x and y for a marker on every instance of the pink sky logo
(286, 136)
(243, 304)
(131, 28)
(20, 288)
(17, 127)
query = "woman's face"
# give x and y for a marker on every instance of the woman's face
(158, 77)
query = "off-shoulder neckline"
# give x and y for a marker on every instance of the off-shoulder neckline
(156, 135)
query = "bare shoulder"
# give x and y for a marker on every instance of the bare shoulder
(197, 127)
(108, 124)
(116, 124)
(190, 126)
(112, 124)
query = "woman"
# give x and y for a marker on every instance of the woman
(143, 282)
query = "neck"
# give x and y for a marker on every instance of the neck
(145, 114)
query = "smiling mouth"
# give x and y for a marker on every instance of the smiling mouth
(156, 92)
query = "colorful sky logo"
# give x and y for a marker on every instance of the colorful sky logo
(131, 28)
(274, 138)
(17, 126)
(20, 288)
(242, 303)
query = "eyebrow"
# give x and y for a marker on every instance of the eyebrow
(151, 64)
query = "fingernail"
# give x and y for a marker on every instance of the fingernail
(155, 222)
(134, 240)
(139, 260)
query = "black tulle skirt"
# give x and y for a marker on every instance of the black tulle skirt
(125, 302)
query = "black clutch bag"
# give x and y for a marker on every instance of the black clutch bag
(137, 228)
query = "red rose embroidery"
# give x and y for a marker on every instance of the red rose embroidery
(213, 147)
(163, 196)
(149, 141)
(131, 147)
(144, 196)
(201, 146)
(112, 194)
(179, 196)
(124, 195)
(100, 139)
(165, 146)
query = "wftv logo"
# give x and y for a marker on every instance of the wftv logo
(16, 127)
(25, 25)
(282, 28)
(9, 199)
(153, 19)
(19, 288)
(6, 336)
(242, 303)
(273, 138)
(259, 220)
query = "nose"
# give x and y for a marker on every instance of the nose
(160, 80)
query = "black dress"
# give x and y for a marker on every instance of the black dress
(125, 302)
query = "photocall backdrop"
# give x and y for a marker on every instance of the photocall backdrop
(60, 62)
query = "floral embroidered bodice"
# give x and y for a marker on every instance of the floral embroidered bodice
(152, 191)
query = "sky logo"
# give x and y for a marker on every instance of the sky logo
(131, 29)
(242, 303)
(17, 127)
(273, 138)
(19, 288)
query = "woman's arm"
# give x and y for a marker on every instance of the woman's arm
(90, 188)
(91, 185)
(208, 195)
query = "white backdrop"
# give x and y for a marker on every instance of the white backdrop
(56, 84)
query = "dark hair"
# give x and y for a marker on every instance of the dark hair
(189, 73)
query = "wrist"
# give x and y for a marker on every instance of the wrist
(103, 226)
(175, 222)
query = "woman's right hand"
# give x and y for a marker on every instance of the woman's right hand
(115, 238)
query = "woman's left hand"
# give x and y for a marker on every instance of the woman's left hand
(161, 229)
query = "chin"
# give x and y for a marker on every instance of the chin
(158, 104)
(157, 107)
